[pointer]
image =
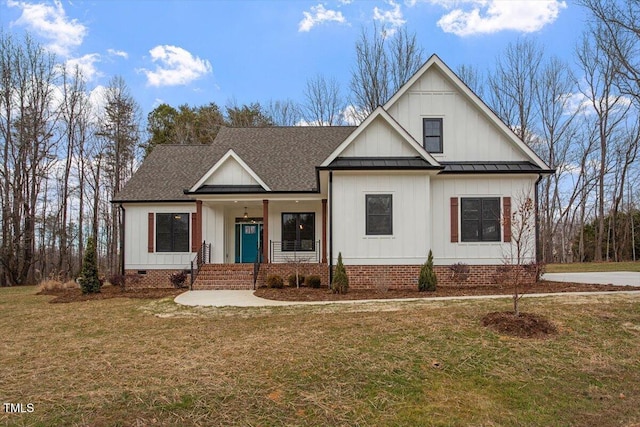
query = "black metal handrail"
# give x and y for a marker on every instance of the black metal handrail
(203, 256)
(294, 251)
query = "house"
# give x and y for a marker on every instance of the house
(434, 168)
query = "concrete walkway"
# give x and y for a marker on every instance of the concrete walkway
(621, 278)
(247, 299)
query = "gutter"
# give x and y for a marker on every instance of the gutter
(537, 219)
(122, 225)
(330, 228)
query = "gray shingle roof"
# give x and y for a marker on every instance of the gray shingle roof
(283, 157)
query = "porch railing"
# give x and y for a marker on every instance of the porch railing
(293, 252)
(203, 256)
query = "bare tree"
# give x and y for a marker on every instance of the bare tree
(513, 86)
(27, 78)
(383, 64)
(284, 112)
(73, 116)
(472, 77)
(519, 260)
(619, 26)
(323, 104)
(557, 134)
(120, 129)
(405, 58)
(609, 108)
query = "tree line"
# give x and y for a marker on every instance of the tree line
(64, 155)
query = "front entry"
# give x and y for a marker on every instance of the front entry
(248, 242)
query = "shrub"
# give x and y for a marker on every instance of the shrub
(314, 281)
(55, 285)
(292, 280)
(90, 283)
(460, 272)
(178, 278)
(132, 278)
(340, 284)
(117, 280)
(427, 280)
(275, 281)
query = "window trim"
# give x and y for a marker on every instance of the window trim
(366, 214)
(480, 220)
(425, 120)
(282, 239)
(171, 233)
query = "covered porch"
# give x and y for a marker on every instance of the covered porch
(246, 238)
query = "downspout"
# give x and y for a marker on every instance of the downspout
(330, 228)
(537, 220)
(122, 225)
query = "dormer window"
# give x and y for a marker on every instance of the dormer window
(432, 128)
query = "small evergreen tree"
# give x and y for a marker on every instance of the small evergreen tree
(340, 283)
(427, 280)
(89, 281)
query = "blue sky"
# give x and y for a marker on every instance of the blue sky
(198, 52)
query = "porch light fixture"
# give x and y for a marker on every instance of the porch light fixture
(246, 215)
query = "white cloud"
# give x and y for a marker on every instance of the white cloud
(393, 17)
(318, 15)
(175, 66)
(121, 53)
(352, 116)
(345, 1)
(50, 22)
(98, 100)
(86, 64)
(469, 17)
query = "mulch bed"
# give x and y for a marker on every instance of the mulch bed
(526, 325)
(107, 292)
(324, 294)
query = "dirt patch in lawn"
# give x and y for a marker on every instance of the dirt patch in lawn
(526, 325)
(73, 295)
(324, 294)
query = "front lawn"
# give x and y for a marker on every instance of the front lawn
(140, 362)
(583, 267)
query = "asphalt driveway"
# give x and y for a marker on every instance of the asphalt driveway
(621, 278)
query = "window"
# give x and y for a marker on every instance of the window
(298, 232)
(480, 219)
(172, 232)
(432, 135)
(379, 219)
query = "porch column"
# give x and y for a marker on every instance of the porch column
(265, 231)
(324, 231)
(196, 227)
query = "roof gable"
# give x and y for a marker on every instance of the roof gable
(472, 131)
(230, 170)
(379, 136)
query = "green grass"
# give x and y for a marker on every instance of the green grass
(137, 362)
(581, 267)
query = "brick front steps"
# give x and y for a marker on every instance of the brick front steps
(224, 276)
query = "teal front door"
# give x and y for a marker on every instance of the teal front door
(248, 239)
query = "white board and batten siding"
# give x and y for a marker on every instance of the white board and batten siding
(379, 139)
(443, 189)
(231, 173)
(213, 230)
(409, 242)
(137, 256)
(468, 133)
